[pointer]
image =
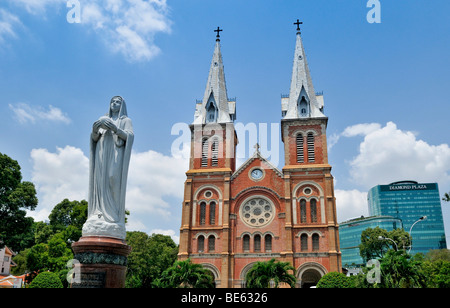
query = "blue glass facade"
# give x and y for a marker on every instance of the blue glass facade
(409, 201)
(350, 235)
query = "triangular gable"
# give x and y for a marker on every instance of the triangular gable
(255, 156)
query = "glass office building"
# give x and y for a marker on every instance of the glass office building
(409, 201)
(350, 236)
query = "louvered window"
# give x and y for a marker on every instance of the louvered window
(212, 213)
(205, 152)
(311, 155)
(315, 242)
(215, 152)
(202, 213)
(304, 242)
(303, 210)
(201, 243)
(268, 243)
(246, 243)
(313, 204)
(211, 243)
(300, 155)
(257, 243)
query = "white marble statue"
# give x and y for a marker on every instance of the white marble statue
(110, 150)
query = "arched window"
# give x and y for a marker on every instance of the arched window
(315, 242)
(304, 242)
(211, 243)
(310, 141)
(300, 155)
(215, 152)
(267, 243)
(201, 243)
(202, 213)
(212, 213)
(303, 211)
(313, 204)
(211, 112)
(205, 152)
(246, 243)
(257, 243)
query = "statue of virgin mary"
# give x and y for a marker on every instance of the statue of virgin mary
(110, 150)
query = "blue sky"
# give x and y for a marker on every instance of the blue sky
(384, 86)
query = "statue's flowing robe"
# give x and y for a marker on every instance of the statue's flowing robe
(108, 172)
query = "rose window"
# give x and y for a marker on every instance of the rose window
(257, 212)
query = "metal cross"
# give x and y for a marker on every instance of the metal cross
(298, 23)
(218, 30)
(257, 147)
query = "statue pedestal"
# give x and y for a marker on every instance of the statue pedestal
(102, 262)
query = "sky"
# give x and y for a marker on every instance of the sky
(385, 88)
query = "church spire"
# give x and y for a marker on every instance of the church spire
(215, 106)
(302, 101)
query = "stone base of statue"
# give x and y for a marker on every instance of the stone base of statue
(101, 262)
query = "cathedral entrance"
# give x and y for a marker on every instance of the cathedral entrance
(310, 278)
(309, 274)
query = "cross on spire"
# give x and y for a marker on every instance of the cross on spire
(257, 147)
(218, 30)
(298, 23)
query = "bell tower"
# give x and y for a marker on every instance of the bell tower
(306, 170)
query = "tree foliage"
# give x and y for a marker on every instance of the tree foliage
(46, 280)
(185, 274)
(270, 274)
(372, 247)
(334, 280)
(15, 197)
(149, 257)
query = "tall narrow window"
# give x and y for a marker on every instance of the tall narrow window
(215, 152)
(313, 204)
(211, 112)
(212, 213)
(303, 211)
(257, 243)
(205, 152)
(267, 243)
(311, 155)
(202, 213)
(300, 155)
(246, 243)
(315, 242)
(201, 243)
(304, 242)
(211, 243)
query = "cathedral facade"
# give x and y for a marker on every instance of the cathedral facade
(233, 217)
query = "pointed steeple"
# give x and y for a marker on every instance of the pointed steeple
(215, 106)
(302, 101)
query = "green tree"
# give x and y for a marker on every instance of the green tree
(69, 216)
(46, 280)
(149, 257)
(15, 197)
(270, 274)
(334, 280)
(401, 270)
(185, 274)
(375, 242)
(446, 197)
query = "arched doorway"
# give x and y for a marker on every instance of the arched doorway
(309, 274)
(214, 272)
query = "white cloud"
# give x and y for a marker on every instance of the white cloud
(350, 204)
(58, 176)
(389, 154)
(8, 23)
(128, 26)
(32, 114)
(173, 234)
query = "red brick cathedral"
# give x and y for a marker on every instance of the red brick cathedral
(233, 217)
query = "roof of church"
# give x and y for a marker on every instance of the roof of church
(216, 87)
(301, 83)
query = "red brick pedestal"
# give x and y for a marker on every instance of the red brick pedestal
(101, 262)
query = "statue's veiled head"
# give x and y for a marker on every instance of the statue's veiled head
(118, 104)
